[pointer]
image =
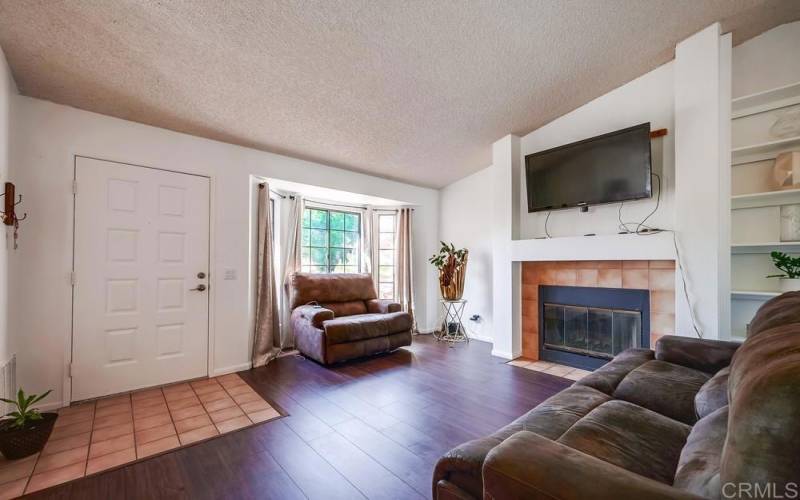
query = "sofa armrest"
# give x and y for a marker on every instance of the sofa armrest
(529, 466)
(313, 314)
(382, 306)
(709, 356)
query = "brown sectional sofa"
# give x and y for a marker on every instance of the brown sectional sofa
(337, 317)
(694, 419)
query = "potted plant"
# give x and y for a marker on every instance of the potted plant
(24, 431)
(452, 266)
(790, 279)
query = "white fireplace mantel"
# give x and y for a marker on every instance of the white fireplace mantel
(657, 246)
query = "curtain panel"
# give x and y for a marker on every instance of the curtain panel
(404, 270)
(267, 336)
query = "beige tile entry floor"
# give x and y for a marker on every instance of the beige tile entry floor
(99, 435)
(551, 368)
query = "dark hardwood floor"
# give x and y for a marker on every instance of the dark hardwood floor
(371, 428)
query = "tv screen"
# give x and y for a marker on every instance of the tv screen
(608, 168)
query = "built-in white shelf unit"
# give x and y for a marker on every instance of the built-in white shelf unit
(766, 199)
(782, 246)
(755, 206)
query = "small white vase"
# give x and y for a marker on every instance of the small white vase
(790, 285)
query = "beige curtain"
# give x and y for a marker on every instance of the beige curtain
(267, 336)
(404, 270)
(294, 236)
(366, 240)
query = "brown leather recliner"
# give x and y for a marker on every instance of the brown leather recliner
(337, 317)
(694, 419)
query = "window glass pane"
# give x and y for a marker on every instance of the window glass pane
(319, 256)
(387, 240)
(319, 219)
(351, 222)
(386, 291)
(337, 220)
(351, 240)
(337, 238)
(330, 241)
(386, 223)
(319, 238)
(386, 257)
(351, 257)
(386, 273)
(337, 256)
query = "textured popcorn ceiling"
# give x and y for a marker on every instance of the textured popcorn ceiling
(410, 90)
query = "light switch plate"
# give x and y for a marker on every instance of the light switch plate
(230, 274)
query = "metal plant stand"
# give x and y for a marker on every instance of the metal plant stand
(452, 329)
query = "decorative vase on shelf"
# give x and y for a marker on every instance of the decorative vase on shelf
(790, 284)
(787, 124)
(790, 222)
(786, 172)
(452, 266)
(453, 289)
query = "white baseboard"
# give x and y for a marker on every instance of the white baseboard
(51, 406)
(231, 369)
(503, 354)
(482, 338)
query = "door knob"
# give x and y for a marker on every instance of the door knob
(200, 288)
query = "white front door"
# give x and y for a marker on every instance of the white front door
(141, 253)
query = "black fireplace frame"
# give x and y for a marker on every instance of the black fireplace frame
(610, 298)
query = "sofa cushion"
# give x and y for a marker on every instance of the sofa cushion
(607, 377)
(778, 311)
(713, 395)
(764, 390)
(664, 388)
(365, 326)
(349, 308)
(326, 288)
(698, 467)
(551, 418)
(629, 436)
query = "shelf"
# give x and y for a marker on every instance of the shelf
(784, 246)
(763, 151)
(767, 199)
(753, 295)
(657, 246)
(765, 101)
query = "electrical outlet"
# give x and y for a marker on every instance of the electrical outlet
(230, 274)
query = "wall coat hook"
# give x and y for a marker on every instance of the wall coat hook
(9, 215)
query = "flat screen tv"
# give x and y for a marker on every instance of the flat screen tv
(609, 168)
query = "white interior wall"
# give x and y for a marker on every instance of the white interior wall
(702, 164)
(767, 61)
(465, 215)
(649, 98)
(45, 139)
(7, 90)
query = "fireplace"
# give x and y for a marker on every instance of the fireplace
(585, 327)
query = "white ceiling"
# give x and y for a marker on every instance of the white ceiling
(320, 193)
(406, 89)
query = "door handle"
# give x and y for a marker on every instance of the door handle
(200, 288)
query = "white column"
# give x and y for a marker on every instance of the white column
(506, 305)
(702, 181)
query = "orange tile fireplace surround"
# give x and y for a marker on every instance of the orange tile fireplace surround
(658, 276)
